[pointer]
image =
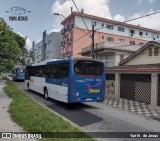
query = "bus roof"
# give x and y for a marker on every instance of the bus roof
(62, 60)
(20, 67)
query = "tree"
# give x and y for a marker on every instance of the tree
(11, 46)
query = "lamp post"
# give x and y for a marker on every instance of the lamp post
(59, 15)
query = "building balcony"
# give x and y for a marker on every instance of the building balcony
(68, 53)
(63, 30)
(69, 40)
(62, 43)
(69, 27)
(62, 54)
(110, 63)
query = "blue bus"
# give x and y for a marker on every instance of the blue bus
(68, 80)
(18, 73)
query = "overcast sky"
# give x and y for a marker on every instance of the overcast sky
(41, 16)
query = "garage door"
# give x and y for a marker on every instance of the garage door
(159, 91)
(136, 87)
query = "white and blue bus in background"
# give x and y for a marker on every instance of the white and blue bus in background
(19, 73)
(68, 80)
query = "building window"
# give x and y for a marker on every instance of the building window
(132, 42)
(156, 51)
(102, 37)
(49, 42)
(121, 57)
(72, 25)
(93, 23)
(141, 44)
(121, 29)
(146, 34)
(157, 36)
(140, 33)
(110, 39)
(121, 41)
(132, 32)
(150, 51)
(102, 24)
(110, 27)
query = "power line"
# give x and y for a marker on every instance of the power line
(105, 27)
(82, 30)
(81, 16)
(131, 20)
(80, 45)
(142, 16)
(81, 37)
(74, 24)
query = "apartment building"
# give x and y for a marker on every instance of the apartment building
(75, 35)
(48, 48)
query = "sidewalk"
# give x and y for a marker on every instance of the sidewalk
(6, 124)
(135, 107)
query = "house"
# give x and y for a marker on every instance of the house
(137, 77)
(75, 35)
(110, 53)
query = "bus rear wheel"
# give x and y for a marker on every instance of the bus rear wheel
(45, 93)
(28, 86)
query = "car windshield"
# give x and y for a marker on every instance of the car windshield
(86, 67)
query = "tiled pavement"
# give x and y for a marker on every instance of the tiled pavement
(139, 108)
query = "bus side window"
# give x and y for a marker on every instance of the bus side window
(65, 70)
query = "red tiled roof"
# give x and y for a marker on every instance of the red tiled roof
(147, 67)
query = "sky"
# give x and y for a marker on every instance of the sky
(40, 16)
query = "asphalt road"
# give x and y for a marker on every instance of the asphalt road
(97, 117)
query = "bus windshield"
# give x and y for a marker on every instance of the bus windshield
(21, 70)
(86, 67)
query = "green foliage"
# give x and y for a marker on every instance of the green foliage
(11, 47)
(35, 118)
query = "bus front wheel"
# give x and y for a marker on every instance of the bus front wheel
(45, 93)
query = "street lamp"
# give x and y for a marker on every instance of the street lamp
(59, 15)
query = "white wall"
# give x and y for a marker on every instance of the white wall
(144, 58)
(53, 45)
(38, 52)
(114, 59)
(79, 22)
(53, 49)
(118, 56)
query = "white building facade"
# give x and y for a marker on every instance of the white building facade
(48, 48)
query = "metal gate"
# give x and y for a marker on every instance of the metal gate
(136, 87)
(159, 90)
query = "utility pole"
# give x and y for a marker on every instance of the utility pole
(92, 50)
